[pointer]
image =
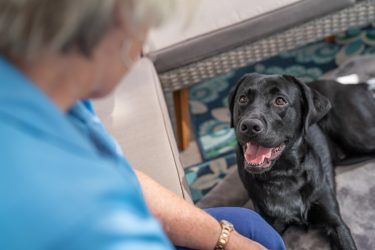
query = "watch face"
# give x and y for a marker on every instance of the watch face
(227, 223)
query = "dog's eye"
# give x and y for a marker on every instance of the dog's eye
(279, 101)
(243, 99)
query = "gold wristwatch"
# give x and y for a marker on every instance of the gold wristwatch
(226, 229)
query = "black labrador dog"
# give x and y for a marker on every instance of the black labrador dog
(289, 137)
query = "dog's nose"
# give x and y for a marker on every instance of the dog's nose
(252, 126)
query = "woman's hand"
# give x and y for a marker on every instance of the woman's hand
(185, 224)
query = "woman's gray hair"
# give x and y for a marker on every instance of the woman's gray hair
(29, 26)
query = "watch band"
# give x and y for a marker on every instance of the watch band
(226, 229)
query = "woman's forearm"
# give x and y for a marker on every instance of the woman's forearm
(185, 224)
(180, 218)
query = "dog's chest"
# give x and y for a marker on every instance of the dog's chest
(288, 200)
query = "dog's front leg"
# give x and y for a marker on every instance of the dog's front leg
(325, 212)
(341, 238)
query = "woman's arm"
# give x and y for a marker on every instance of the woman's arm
(185, 224)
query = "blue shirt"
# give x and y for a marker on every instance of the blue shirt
(63, 183)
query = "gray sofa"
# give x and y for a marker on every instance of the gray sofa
(223, 35)
(136, 115)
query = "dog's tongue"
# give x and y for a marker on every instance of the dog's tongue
(255, 154)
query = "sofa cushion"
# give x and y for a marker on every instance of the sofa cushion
(221, 25)
(136, 115)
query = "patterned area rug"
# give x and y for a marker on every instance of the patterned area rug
(204, 177)
(208, 100)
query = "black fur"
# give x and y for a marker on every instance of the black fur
(299, 187)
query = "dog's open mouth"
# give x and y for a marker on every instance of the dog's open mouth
(258, 158)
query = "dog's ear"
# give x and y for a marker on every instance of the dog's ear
(233, 92)
(231, 97)
(317, 105)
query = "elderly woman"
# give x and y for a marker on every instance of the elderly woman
(63, 183)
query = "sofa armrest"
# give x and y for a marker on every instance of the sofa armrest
(136, 115)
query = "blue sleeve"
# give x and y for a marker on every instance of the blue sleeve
(75, 202)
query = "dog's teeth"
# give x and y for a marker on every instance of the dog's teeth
(254, 164)
(277, 149)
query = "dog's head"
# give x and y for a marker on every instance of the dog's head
(269, 114)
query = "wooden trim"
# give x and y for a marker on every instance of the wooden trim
(181, 103)
(330, 39)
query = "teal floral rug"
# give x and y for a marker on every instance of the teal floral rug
(203, 177)
(209, 108)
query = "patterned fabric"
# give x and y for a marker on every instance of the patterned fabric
(204, 177)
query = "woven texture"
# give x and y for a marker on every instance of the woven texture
(359, 14)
